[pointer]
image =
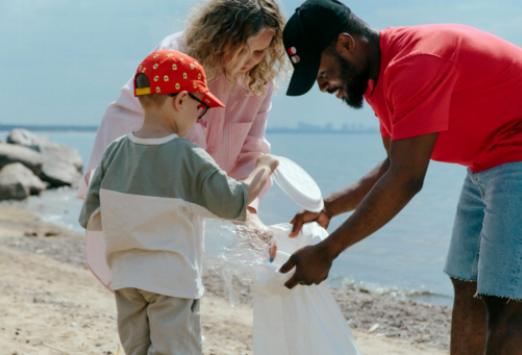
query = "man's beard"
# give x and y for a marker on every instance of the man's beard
(355, 83)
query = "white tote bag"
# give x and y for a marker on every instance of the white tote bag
(303, 321)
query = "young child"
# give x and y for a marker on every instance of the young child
(153, 189)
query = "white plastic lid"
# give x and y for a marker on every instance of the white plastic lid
(298, 184)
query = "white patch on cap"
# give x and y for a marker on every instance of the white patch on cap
(177, 86)
(158, 89)
(174, 66)
(156, 78)
(155, 66)
(165, 78)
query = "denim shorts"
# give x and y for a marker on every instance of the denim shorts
(486, 244)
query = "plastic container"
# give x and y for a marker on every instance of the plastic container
(298, 185)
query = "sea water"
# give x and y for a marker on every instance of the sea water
(406, 256)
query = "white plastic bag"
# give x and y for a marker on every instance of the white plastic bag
(303, 321)
(95, 250)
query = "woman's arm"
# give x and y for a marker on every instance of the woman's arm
(121, 117)
(255, 143)
(254, 146)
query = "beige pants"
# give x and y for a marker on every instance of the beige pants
(149, 323)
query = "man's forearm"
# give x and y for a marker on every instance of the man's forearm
(348, 199)
(385, 200)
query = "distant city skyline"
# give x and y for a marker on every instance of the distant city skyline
(300, 127)
(64, 61)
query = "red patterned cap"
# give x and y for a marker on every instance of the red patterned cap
(170, 72)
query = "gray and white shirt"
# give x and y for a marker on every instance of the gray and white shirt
(153, 195)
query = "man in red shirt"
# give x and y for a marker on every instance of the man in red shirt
(450, 93)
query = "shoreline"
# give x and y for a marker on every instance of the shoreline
(61, 206)
(370, 315)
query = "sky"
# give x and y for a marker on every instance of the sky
(64, 61)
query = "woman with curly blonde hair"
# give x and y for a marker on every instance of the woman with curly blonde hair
(239, 42)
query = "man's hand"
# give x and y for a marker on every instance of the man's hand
(312, 265)
(322, 218)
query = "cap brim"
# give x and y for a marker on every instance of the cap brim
(303, 78)
(211, 100)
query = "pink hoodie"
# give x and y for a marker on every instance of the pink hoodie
(234, 136)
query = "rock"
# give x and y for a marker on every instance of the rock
(27, 139)
(49, 149)
(59, 173)
(18, 182)
(64, 154)
(10, 153)
(61, 165)
(374, 327)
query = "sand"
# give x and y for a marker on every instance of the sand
(50, 304)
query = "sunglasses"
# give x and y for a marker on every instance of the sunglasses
(202, 107)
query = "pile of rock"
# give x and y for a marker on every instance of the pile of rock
(31, 163)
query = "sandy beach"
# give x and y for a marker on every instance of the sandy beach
(51, 304)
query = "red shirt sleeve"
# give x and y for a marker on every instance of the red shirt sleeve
(419, 90)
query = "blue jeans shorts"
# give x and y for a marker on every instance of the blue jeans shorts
(486, 244)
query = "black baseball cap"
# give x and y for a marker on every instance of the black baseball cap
(312, 28)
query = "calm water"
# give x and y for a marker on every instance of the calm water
(408, 254)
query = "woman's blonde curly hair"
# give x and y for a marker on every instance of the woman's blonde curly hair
(221, 27)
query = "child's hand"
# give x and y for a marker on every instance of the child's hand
(265, 166)
(268, 160)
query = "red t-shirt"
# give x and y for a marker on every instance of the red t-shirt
(458, 81)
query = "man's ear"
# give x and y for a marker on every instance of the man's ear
(345, 45)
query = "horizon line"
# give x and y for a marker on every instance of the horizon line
(277, 129)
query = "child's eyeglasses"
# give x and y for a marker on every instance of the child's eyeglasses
(202, 107)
